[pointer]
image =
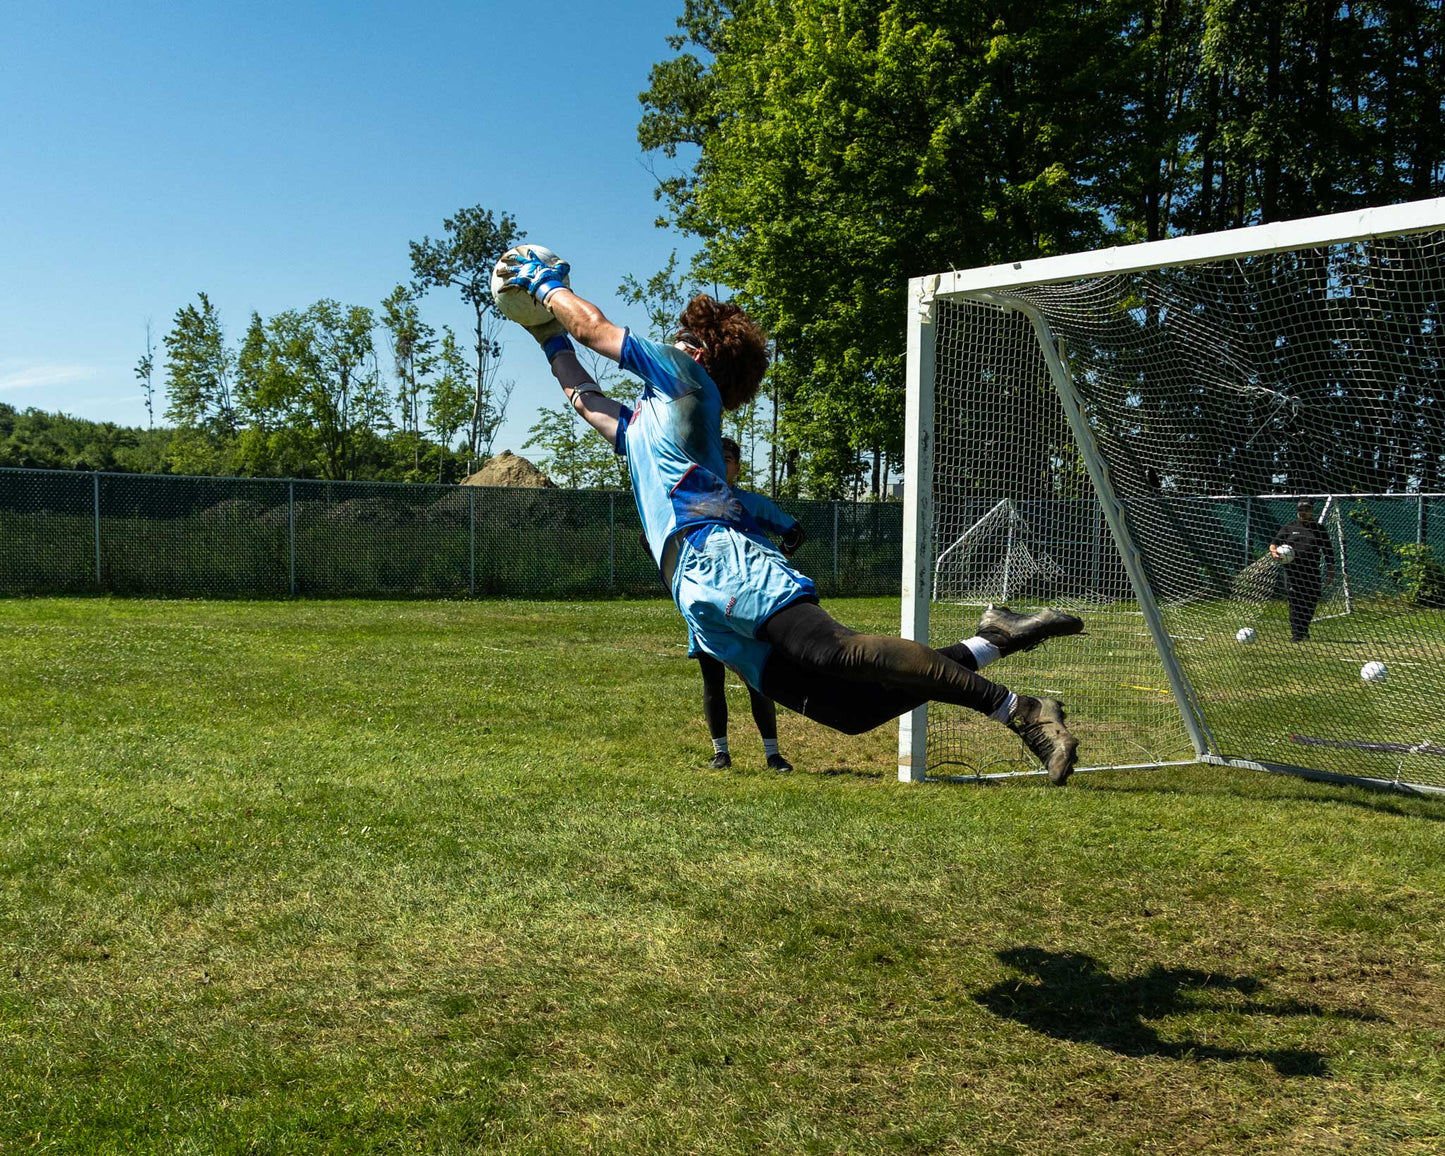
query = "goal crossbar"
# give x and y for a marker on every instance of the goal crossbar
(1174, 252)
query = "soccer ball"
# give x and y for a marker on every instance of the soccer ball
(1374, 672)
(517, 304)
(1245, 634)
(1285, 553)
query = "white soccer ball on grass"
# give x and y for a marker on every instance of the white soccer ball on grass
(517, 304)
(1245, 634)
(1284, 553)
(1374, 672)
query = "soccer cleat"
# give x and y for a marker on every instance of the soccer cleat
(1012, 632)
(778, 763)
(721, 761)
(1040, 723)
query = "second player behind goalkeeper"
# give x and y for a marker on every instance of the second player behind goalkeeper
(743, 603)
(714, 693)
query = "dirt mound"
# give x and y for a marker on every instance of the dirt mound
(233, 510)
(507, 469)
(378, 511)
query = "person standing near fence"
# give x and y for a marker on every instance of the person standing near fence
(1311, 546)
(714, 675)
(743, 604)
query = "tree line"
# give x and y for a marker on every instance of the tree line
(822, 153)
(347, 392)
(306, 393)
(327, 391)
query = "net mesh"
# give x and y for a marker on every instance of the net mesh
(1218, 396)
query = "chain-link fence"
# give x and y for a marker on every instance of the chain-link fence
(64, 532)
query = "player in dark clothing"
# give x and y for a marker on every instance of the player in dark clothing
(714, 674)
(1311, 546)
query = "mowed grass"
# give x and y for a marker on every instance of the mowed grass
(422, 877)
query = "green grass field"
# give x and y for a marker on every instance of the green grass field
(444, 878)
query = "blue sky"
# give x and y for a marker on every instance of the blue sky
(274, 154)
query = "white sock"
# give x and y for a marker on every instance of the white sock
(1006, 712)
(770, 747)
(720, 746)
(983, 650)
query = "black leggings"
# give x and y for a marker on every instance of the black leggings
(1304, 596)
(854, 682)
(715, 702)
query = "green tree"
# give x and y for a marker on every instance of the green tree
(145, 374)
(312, 388)
(825, 152)
(199, 370)
(662, 296)
(34, 439)
(463, 259)
(576, 458)
(843, 148)
(413, 344)
(451, 398)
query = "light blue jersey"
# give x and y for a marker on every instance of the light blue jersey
(729, 579)
(673, 444)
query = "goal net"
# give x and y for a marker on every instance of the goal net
(1124, 434)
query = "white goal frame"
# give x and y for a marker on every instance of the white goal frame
(985, 285)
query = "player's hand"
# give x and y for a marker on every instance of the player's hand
(546, 331)
(790, 541)
(536, 276)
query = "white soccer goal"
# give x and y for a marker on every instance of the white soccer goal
(996, 559)
(1122, 433)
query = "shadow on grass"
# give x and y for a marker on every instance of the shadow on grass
(1388, 802)
(851, 772)
(1069, 996)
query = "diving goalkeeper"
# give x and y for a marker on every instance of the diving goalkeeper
(743, 603)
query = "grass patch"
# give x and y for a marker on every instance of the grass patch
(387, 877)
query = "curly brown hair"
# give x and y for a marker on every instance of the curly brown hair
(736, 350)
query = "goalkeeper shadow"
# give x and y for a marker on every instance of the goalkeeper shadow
(1071, 996)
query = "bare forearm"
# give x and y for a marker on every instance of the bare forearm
(587, 323)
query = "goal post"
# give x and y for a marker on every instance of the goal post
(1122, 433)
(917, 520)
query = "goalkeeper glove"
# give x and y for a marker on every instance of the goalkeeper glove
(547, 330)
(552, 336)
(790, 541)
(537, 277)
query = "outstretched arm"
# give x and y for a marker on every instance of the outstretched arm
(597, 409)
